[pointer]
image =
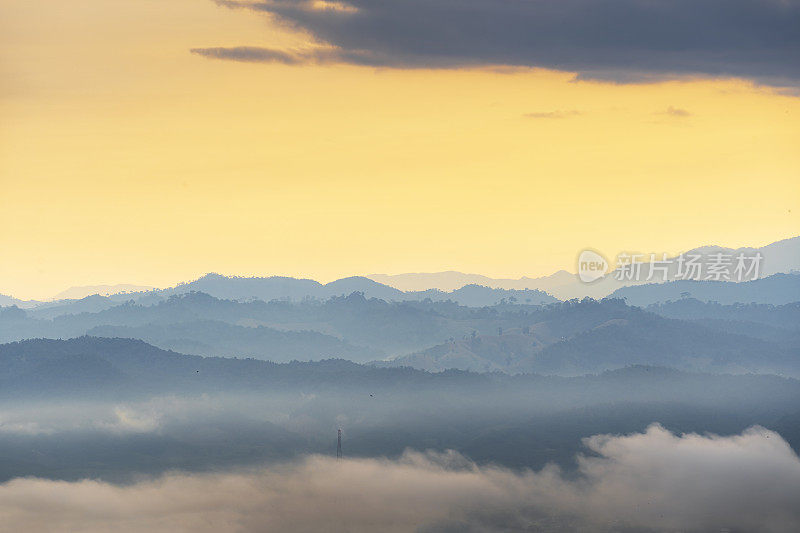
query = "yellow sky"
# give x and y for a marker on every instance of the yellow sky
(124, 158)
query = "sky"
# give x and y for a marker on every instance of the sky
(151, 142)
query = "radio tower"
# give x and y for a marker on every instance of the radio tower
(339, 445)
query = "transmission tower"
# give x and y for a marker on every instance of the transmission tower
(339, 445)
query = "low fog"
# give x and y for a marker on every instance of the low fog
(515, 422)
(651, 481)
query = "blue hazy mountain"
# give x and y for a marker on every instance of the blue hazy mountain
(777, 289)
(8, 301)
(120, 367)
(383, 327)
(248, 288)
(782, 316)
(282, 288)
(562, 338)
(217, 338)
(779, 257)
(588, 336)
(452, 280)
(481, 296)
(117, 408)
(82, 291)
(87, 304)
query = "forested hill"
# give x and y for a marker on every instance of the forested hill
(118, 368)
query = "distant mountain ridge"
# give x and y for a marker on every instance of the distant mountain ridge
(452, 280)
(779, 257)
(580, 337)
(568, 338)
(777, 289)
(216, 338)
(282, 288)
(114, 367)
(782, 257)
(78, 292)
(383, 327)
(279, 288)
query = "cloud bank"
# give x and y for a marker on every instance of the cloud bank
(620, 40)
(148, 416)
(652, 481)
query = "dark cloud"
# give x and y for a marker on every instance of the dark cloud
(256, 54)
(252, 54)
(232, 4)
(652, 481)
(621, 40)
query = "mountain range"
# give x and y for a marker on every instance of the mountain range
(782, 257)
(561, 338)
(580, 337)
(779, 257)
(114, 409)
(777, 289)
(698, 326)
